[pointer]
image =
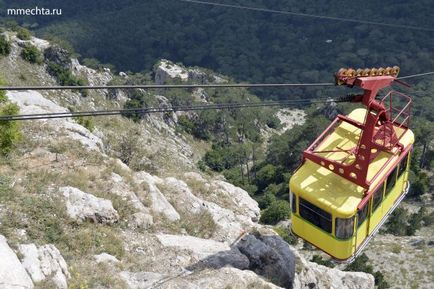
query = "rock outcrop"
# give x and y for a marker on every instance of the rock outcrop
(311, 275)
(82, 206)
(45, 263)
(12, 273)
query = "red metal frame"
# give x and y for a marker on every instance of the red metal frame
(378, 131)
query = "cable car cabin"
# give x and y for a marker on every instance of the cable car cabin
(355, 174)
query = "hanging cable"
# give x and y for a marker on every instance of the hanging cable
(161, 86)
(150, 110)
(310, 15)
(417, 75)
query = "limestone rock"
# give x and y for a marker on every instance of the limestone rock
(82, 206)
(105, 258)
(141, 220)
(199, 247)
(159, 202)
(141, 280)
(45, 263)
(311, 275)
(168, 70)
(12, 273)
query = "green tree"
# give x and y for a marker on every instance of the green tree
(277, 211)
(361, 264)
(10, 132)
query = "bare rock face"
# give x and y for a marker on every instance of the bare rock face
(311, 275)
(12, 273)
(58, 55)
(159, 202)
(168, 70)
(45, 263)
(82, 206)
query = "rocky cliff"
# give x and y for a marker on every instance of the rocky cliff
(74, 214)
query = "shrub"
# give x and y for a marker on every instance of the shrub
(87, 122)
(277, 211)
(319, 260)
(10, 133)
(65, 77)
(138, 100)
(23, 33)
(5, 46)
(286, 235)
(3, 97)
(32, 54)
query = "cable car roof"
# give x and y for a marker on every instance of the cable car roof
(327, 189)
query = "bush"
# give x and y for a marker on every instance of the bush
(32, 54)
(65, 77)
(138, 100)
(277, 211)
(5, 46)
(10, 133)
(3, 97)
(319, 260)
(286, 235)
(87, 122)
(23, 33)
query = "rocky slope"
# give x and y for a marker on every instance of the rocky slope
(73, 215)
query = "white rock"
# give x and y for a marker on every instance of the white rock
(141, 280)
(81, 206)
(202, 248)
(167, 69)
(308, 273)
(105, 258)
(242, 200)
(12, 273)
(142, 220)
(31, 102)
(45, 263)
(159, 202)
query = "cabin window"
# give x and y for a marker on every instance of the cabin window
(293, 202)
(403, 166)
(391, 181)
(377, 198)
(361, 214)
(315, 215)
(344, 228)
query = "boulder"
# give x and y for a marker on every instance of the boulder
(82, 206)
(12, 273)
(141, 220)
(45, 263)
(270, 257)
(168, 70)
(58, 55)
(105, 258)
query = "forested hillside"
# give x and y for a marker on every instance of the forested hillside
(248, 45)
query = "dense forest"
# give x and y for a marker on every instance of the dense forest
(248, 45)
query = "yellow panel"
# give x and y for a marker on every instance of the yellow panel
(339, 249)
(330, 191)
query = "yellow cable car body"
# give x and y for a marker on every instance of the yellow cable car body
(336, 215)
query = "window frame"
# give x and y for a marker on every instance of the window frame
(403, 166)
(337, 225)
(393, 174)
(321, 215)
(378, 191)
(365, 208)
